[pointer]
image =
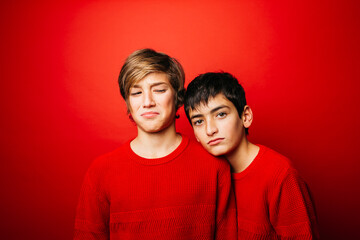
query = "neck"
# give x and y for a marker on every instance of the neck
(242, 156)
(157, 144)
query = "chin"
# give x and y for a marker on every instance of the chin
(157, 128)
(216, 152)
(154, 130)
(150, 129)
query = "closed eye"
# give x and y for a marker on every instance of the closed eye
(160, 90)
(135, 93)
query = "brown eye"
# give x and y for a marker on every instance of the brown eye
(198, 122)
(221, 114)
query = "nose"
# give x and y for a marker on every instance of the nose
(211, 128)
(148, 100)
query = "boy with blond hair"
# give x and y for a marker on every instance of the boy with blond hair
(160, 185)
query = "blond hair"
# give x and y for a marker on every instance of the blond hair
(145, 61)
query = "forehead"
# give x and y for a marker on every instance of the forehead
(152, 78)
(212, 103)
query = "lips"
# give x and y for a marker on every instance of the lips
(215, 141)
(150, 114)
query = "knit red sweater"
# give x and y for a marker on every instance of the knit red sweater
(273, 202)
(185, 195)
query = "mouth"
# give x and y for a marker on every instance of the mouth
(149, 114)
(215, 141)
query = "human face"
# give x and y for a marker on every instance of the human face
(152, 103)
(217, 125)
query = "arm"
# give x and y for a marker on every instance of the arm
(226, 223)
(92, 215)
(291, 209)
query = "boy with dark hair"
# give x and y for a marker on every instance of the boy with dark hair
(273, 202)
(156, 186)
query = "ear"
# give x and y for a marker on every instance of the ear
(247, 116)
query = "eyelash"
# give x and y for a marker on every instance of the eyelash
(221, 114)
(197, 122)
(156, 90)
(159, 90)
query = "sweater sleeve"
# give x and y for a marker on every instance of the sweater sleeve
(92, 216)
(226, 222)
(291, 209)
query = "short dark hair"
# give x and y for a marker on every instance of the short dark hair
(208, 85)
(145, 61)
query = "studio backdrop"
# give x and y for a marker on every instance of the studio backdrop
(61, 107)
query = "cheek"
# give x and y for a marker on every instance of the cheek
(168, 101)
(234, 130)
(198, 132)
(133, 104)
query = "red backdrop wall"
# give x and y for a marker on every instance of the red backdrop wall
(61, 107)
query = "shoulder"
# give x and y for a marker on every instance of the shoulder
(273, 159)
(284, 173)
(102, 164)
(201, 156)
(274, 166)
(215, 168)
(196, 147)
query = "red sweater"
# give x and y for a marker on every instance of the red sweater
(185, 195)
(273, 202)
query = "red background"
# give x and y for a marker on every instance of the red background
(61, 107)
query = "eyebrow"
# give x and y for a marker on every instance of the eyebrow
(151, 85)
(211, 111)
